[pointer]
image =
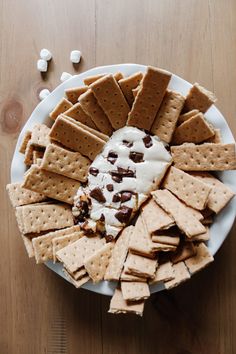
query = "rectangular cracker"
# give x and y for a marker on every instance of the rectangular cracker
(25, 141)
(91, 107)
(28, 160)
(195, 130)
(181, 275)
(140, 240)
(149, 98)
(116, 263)
(168, 237)
(204, 157)
(37, 154)
(128, 84)
(164, 273)
(155, 217)
(131, 277)
(199, 98)
(40, 135)
(217, 138)
(62, 241)
(111, 100)
(28, 245)
(185, 116)
(77, 283)
(97, 263)
(21, 196)
(42, 217)
(61, 107)
(134, 291)
(74, 255)
(135, 91)
(220, 194)
(201, 238)
(140, 266)
(184, 219)
(72, 94)
(167, 116)
(80, 273)
(201, 259)
(208, 221)
(187, 188)
(184, 251)
(51, 184)
(43, 246)
(90, 79)
(77, 113)
(163, 247)
(76, 137)
(119, 305)
(67, 163)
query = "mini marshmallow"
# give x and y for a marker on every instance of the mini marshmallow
(65, 76)
(75, 56)
(42, 65)
(43, 94)
(45, 54)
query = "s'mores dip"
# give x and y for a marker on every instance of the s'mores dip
(122, 185)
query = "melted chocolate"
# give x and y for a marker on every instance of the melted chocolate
(97, 194)
(147, 140)
(136, 156)
(123, 214)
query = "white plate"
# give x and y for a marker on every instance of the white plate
(223, 222)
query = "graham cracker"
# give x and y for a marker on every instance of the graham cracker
(181, 275)
(21, 196)
(189, 189)
(155, 218)
(37, 154)
(90, 79)
(62, 241)
(28, 245)
(205, 157)
(43, 246)
(196, 213)
(67, 163)
(184, 219)
(51, 184)
(116, 263)
(185, 116)
(149, 98)
(76, 138)
(119, 305)
(220, 194)
(167, 116)
(199, 98)
(74, 255)
(77, 113)
(140, 240)
(140, 266)
(28, 160)
(40, 136)
(131, 277)
(72, 94)
(38, 162)
(42, 217)
(195, 130)
(185, 251)
(79, 274)
(97, 263)
(201, 238)
(134, 291)
(61, 107)
(217, 138)
(118, 76)
(111, 100)
(128, 84)
(201, 259)
(91, 107)
(25, 141)
(207, 221)
(164, 273)
(168, 237)
(135, 91)
(163, 247)
(76, 283)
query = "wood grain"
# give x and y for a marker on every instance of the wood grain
(41, 313)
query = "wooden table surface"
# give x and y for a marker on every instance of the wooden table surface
(40, 312)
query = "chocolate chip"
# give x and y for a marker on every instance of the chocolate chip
(147, 141)
(112, 157)
(125, 172)
(125, 196)
(110, 187)
(93, 171)
(109, 238)
(127, 143)
(116, 177)
(116, 198)
(136, 156)
(102, 218)
(124, 214)
(97, 194)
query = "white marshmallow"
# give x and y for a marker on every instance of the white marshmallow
(45, 54)
(75, 56)
(42, 65)
(43, 94)
(65, 76)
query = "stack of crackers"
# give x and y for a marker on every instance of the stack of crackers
(164, 223)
